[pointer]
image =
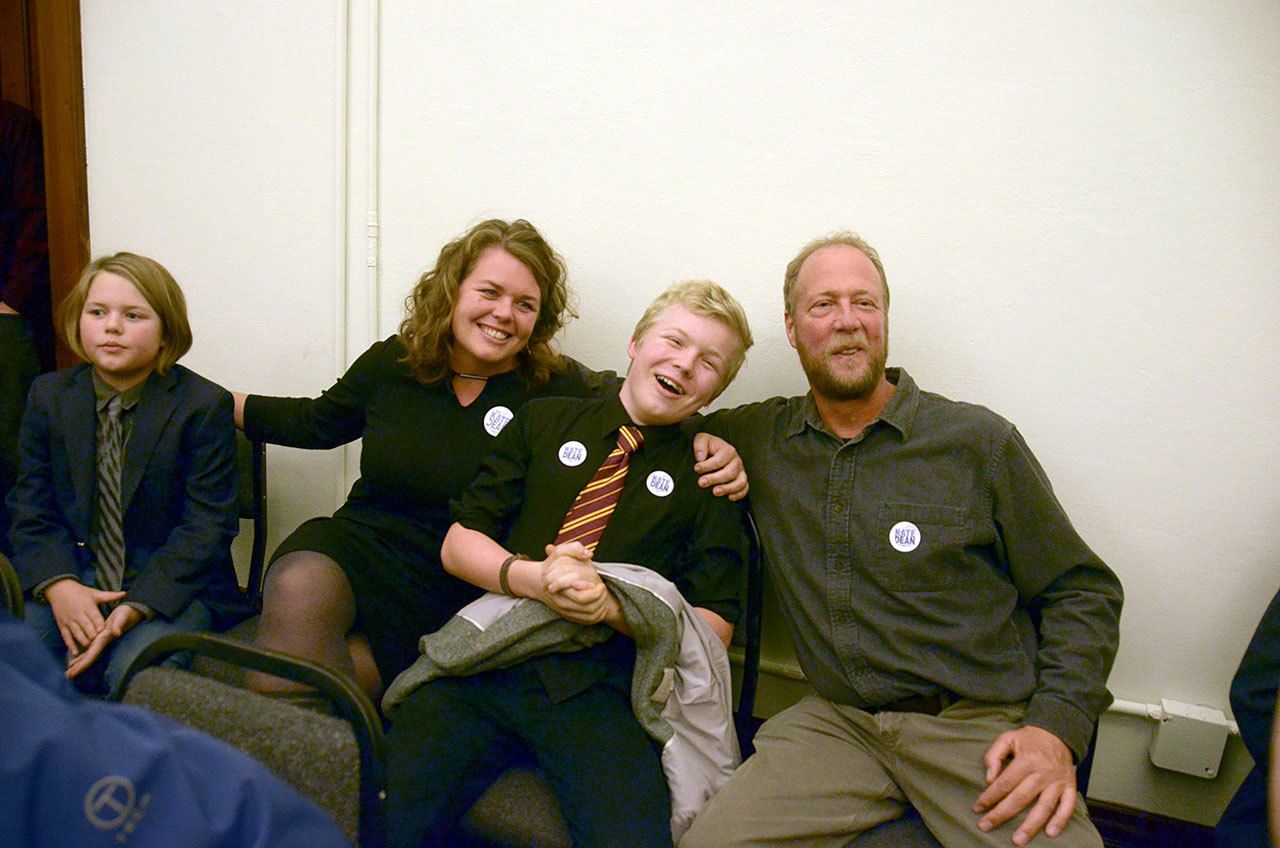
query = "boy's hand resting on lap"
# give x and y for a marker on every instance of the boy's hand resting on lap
(120, 622)
(75, 609)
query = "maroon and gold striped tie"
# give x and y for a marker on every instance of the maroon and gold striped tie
(586, 519)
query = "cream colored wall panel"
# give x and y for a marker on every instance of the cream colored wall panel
(213, 146)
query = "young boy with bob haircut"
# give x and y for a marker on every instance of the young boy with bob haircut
(125, 504)
(604, 480)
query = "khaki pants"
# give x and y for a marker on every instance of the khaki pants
(823, 773)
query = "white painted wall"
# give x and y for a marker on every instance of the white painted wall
(1075, 203)
(213, 146)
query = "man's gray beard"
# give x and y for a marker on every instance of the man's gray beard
(824, 382)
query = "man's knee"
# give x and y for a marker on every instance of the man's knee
(699, 835)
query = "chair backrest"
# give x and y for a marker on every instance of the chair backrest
(336, 761)
(10, 587)
(751, 632)
(315, 754)
(251, 457)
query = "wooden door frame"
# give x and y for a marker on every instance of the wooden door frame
(60, 83)
(18, 81)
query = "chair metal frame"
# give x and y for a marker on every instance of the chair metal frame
(752, 625)
(251, 457)
(348, 701)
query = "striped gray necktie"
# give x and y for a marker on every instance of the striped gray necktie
(110, 541)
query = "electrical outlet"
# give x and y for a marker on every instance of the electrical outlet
(1190, 739)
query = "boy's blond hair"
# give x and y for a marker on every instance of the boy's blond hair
(157, 287)
(703, 297)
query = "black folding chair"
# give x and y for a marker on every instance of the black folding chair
(251, 457)
(335, 760)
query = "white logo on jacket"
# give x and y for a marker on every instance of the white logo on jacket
(109, 801)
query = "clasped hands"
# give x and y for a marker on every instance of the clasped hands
(84, 630)
(572, 587)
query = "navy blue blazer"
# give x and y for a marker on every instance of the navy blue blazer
(178, 489)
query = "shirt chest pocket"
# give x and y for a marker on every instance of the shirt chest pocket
(918, 547)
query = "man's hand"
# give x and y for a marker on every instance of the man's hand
(75, 609)
(120, 622)
(1039, 770)
(720, 466)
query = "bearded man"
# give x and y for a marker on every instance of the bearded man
(956, 630)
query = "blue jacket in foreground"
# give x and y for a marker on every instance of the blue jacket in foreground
(86, 773)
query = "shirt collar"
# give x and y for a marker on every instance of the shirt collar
(614, 415)
(899, 413)
(103, 394)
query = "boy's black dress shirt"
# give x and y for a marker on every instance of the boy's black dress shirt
(663, 520)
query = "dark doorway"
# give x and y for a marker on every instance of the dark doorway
(40, 70)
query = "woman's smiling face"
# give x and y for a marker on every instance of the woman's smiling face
(498, 303)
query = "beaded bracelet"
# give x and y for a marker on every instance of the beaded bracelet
(503, 570)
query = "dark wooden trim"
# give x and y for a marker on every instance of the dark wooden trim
(61, 85)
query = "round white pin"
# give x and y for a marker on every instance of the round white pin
(904, 536)
(660, 484)
(573, 453)
(497, 418)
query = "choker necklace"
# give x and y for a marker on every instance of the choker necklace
(479, 377)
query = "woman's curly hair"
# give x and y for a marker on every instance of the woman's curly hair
(426, 331)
